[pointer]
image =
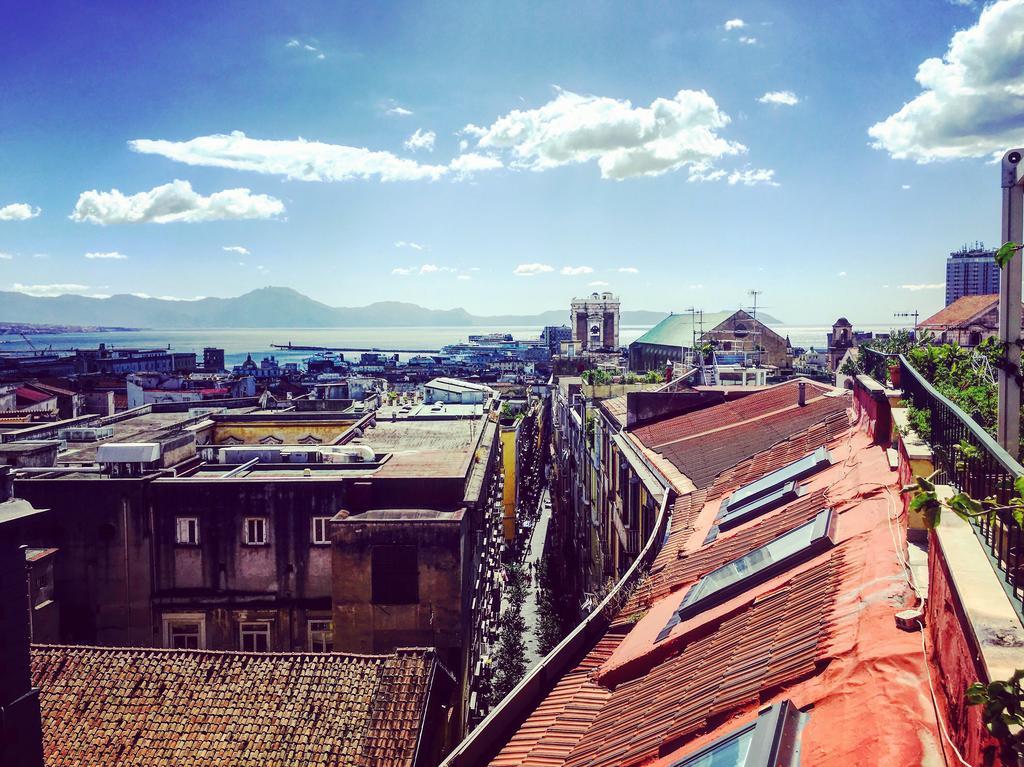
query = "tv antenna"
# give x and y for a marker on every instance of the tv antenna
(915, 314)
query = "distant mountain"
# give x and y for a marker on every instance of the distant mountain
(263, 308)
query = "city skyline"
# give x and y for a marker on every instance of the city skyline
(676, 157)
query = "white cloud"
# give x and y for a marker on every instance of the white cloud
(236, 249)
(6, 256)
(905, 187)
(572, 271)
(625, 141)
(294, 43)
(842, 274)
(18, 211)
(53, 289)
(972, 99)
(696, 286)
(428, 268)
(734, 24)
(924, 286)
(413, 245)
(399, 111)
(748, 40)
(463, 145)
(597, 284)
(177, 298)
(40, 255)
(628, 269)
(780, 98)
(463, 277)
(421, 140)
(112, 255)
(401, 271)
(297, 159)
(752, 177)
(466, 165)
(173, 202)
(529, 270)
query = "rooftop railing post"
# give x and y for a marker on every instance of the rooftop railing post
(1012, 183)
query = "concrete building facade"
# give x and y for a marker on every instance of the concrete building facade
(971, 272)
(595, 321)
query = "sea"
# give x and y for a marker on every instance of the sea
(239, 342)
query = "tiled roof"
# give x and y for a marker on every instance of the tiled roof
(820, 634)
(681, 567)
(704, 443)
(555, 727)
(960, 311)
(615, 409)
(776, 641)
(147, 707)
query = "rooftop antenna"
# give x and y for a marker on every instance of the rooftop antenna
(754, 293)
(913, 314)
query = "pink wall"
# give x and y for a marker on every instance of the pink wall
(953, 664)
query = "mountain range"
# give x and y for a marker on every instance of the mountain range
(270, 307)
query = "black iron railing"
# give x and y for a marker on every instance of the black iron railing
(970, 460)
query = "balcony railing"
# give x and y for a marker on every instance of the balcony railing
(968, 459)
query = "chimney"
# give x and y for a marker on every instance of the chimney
(801, 397)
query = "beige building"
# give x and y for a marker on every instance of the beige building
(595, 321)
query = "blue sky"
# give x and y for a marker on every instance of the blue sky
(653, 147)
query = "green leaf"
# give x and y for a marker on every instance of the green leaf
(1005, 253)
(1018, 485)
(926, 485)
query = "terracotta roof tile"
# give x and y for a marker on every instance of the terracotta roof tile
(557, 724)
(774, 641)
(960, 311)
(707, 442)
(145, 707)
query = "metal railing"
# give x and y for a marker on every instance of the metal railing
(970, 460)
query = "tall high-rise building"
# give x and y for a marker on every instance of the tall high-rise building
(971, 271)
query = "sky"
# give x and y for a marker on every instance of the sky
(503, 156)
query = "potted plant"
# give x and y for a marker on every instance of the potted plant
(894, 373)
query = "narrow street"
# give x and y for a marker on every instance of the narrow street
(532, 560)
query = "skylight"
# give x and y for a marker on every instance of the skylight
(772, 740)
(771, 491)
(755, 567)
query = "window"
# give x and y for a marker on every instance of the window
(771, 491)
(760, 564)
(186, 631)
(187, 530)
(256, 531)
(769, 741)
(321, 636)
(395, 575)
(254, 636)
(321, 530)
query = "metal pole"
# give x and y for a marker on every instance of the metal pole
(1009, 302)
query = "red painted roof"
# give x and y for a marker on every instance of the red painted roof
(32, 394)
(821, 634)
(704, 443)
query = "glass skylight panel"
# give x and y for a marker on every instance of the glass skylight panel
(732, 752)
(770, 483)
(772, 740)
(737, 515)
(755, 567)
